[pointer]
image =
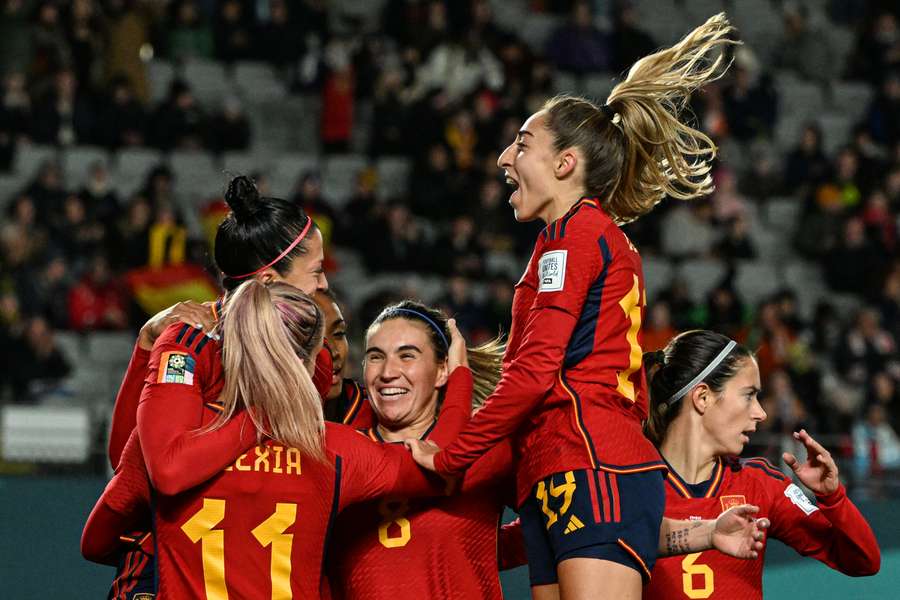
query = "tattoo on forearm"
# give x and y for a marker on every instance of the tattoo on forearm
(678, 541)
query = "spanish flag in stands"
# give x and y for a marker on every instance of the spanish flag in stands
(157, 288)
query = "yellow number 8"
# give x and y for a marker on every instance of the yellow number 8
(687, 578)
(393, 512)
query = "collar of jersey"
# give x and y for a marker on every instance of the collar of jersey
(376, 436)
(704, 489)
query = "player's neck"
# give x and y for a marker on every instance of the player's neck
(691, 459)
(561, 204)
(398, 434)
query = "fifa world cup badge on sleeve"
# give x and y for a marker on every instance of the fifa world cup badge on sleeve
(797, 496)
(552, 271)
(176, 367)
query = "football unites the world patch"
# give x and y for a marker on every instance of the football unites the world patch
(801, 500)
(552, 271)
(176, 367)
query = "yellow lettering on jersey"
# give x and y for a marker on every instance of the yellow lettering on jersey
(690, 568)
(242, 467)
(631, 305)
(394, 512)
(262, 460)
(293, 461)
(277, 450)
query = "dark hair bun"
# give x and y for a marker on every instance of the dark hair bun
(242, 197)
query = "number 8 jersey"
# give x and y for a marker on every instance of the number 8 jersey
(572, 389)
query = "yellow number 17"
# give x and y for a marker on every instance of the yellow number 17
(631, 304)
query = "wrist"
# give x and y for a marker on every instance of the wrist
(832, 498)
(144, 340)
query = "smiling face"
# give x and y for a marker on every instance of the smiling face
(733, 414)
(306, 273)
(528, 164)
(336, 334)
(402, 374)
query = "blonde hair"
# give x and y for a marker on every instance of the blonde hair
(636, 149)
(269, 335)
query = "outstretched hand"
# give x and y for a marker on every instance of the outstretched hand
(423, 452)
(819, 473)
(192, 313)
(739, 533)
(457, 355)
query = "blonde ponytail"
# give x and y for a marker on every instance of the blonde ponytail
(486, 363)
(270, 336)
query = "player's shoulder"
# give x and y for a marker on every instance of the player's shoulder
(585, 221)
(759, 469)
(341, 438)
(186, 338)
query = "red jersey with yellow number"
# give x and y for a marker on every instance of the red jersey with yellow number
(832, 531)
(260, 528)
(572, 392)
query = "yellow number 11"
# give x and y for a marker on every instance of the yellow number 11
(271, 532)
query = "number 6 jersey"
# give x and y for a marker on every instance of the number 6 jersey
(832, 531)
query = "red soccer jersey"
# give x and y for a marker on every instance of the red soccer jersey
(444, 547)
(833, 532)
(572, 387)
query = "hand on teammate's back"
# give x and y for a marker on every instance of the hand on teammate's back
(189, 312)
(423, 452)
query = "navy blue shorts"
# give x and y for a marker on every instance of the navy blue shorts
(135, 577)
(593, 514)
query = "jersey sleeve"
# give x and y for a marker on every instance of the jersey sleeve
(359, 413)
(123, 506)
(370, 470)
(124, 417)
(456, 409)
(833, 531)
(511, 546)
(563, 282)
(169, 414)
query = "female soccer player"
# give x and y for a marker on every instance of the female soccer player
(703, 407)
(590, 486)
(259, 527)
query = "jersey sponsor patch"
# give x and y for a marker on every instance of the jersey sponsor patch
(176, 367)
(796, 495)
(552, 271)
(731, 501)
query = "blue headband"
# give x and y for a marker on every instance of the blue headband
(425, 318)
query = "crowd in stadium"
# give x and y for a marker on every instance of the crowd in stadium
(447, 87)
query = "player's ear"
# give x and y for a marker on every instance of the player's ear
(565, 164)
(701, 397)
(443, 375)
(268, 276)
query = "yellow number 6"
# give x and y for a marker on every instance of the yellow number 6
(687, 578)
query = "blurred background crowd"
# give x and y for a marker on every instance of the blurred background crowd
(121, 121)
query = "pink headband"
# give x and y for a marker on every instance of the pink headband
(280, 256)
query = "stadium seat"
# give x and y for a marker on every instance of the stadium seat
(598, 86)
(109, 347)
(288, 169)
(393, 176)
(160, 74)
(196, 174)
(782, 213)
(77, 162)
(756, 280)
(132, 166)
(839, 127)
(701, 275)
(851, 98)
(339, 177)
(71, 344)
(801, 99)
(258, 80)
(657, 275)
(30, 157)
(535, 30)
(45, 434)
(207, 80)
(10, 185)
(245, 163)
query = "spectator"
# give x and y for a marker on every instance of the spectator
(48, 42)
(51, 291)
(890, 302)
(877, 50)
(687, 231)
(190, 36)
(805, 50)
(15, 37)
(876, 446)
(684, 311)
(281, 38)
(15, 109)
(883, 117)
(498, 308)
(124, 121)
(233, 32)
(579, 47)
(97, 301)
(129, 34)
(658, 329)
(47, 192)
(100, 200)
(884, 391)
(462, 138)
(360, 220)
(628, 42)
(389, 115)
(402, 248)
(65, 116)
(337, 100)
(180, 122)
(736, 243)
(806, 164)
(866, 349)
(309, 196)
(762, 179)
(843, 271)
(881, 224)
(38, 365)
(786, 412)
(86, 32)
(750, 103)
(459, 251)
(725, 311)
(727, 202)
(460, 302)
(458, 67)
(435, 185)
(131, 238)
(76, 235)
(229, 129)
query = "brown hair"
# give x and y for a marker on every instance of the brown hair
(636, 150)
(670, 369)
(485, 360)
(269, 335)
